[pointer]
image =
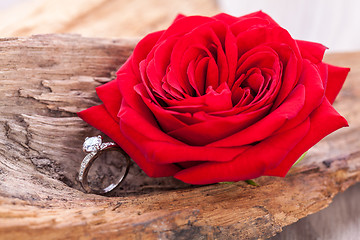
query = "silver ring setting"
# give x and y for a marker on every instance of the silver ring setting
(94, 147)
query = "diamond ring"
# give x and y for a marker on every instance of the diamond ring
(94, 147)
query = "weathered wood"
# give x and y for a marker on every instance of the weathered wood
(45, 79)
(341, 220)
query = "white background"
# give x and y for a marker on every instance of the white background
(334, 23)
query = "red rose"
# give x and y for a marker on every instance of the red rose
(220, 98)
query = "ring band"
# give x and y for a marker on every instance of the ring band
(95, 147)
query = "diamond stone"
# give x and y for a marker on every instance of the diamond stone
(92, 144)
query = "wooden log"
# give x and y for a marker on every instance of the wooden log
(46, 79)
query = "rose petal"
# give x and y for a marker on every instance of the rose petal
(212, 76)
(194, 82)
(165, 118)
(159, 152)
(245, 24)
(336, 79)
(140, 52)
(311, 50)
(228, 19)
(178, 17)
(162, 55)
(323, 70)
(99, 118)
(257, 15)
(210, 102)
(250, 164)
(207, 41)
(231, 53)
(126, 82)
(266, 126)
(264, 35)
(160, 148)
(323, 121)
(286, 48)
(185, 25)
(262, 15)
(212, 130)
(258, 57)
(291, 74)
(314, 94)
(151, 78)
(110, 95)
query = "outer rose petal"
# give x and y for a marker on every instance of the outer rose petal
(99, 118)
(141, 50)
(158, 147)
(311, 51)
(126, 83)
(250, 164)
(110, 95)
(165, 152)
(314, 94)
(228, 19)
(185, 25)
(261, 14)
(336, 79)
(178, 17)
(231, 19)
(323, 121)
(209, 131)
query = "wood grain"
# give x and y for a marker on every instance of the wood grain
(47, 78)
(341, 220)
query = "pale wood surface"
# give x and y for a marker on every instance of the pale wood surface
(47, 78)
(94, 18)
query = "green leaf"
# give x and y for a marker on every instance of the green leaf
(252, 182)
(226, 182)
(300, 158)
